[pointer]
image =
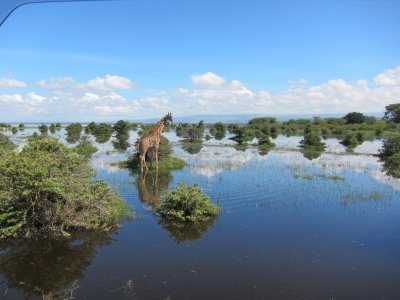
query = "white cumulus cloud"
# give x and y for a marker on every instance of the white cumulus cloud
(11, 83)
(208, 79)
(110, 82)
(388, 77)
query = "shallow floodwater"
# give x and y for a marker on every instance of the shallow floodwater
(289, 228)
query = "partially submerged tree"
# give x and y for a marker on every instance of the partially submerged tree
(43, 128)
(312, 138)
(121, 128)
(73, 132)
(218, 131)
(191, 132)
(85, 147)
(390, 156)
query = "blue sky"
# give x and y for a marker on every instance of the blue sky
(198, 57)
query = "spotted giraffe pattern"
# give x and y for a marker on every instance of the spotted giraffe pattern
(152, 139)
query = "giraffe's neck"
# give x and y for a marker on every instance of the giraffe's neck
(159, 127)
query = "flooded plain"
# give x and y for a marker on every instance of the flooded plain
(291, 227)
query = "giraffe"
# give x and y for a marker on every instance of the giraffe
(152, 139)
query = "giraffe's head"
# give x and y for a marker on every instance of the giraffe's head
(168, 117)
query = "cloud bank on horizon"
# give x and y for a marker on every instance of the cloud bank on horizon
(107, 98)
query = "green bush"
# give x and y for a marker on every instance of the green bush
(85, 147)
(47, 188)
(218, 131)
(6, 145)
(186, 203)
(390, 156)
(43, 129)
(312, 138)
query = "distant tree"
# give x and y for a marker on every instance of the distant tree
(21, 127)
(393, 112)
(262, 120)
(90, 127)
(390, 156)
(352, 140)
(218, 131)
(242, 135)
(354, 118)
(370, 120)
(317, 120)
(73, 132)
(43, 129)
(121, 127)
(102, 132)
(335, 121)
(14, 130)
(52, 128)
(312, 138)
(191, 132)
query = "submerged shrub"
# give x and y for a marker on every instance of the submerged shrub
(186, 203)
(47, 188)
(85, 147)
(389, 155)
(312, 138)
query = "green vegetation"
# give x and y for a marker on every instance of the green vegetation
(85, 147)
(352, 140)
(262, 121)
(392, 112)
(354, 118)
(21, 127)
(43, 129)
(186, 203)
(4, 126)
(191, 132)
(218, 131)
(312, 138)
(242, 134)
(52, 128)
(192, 147)
(48, 189)
(322, 176)
(121, 128)
(390, 156)
(73, 132)
(14, 130)
(102, 132)
(6, 145)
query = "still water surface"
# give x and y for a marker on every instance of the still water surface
(290, 228)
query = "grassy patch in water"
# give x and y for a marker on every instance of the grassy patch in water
(167, 164)
(186, 203)
(321, 175)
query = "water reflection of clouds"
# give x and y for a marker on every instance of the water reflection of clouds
(333, 163)
(213, 160)
(106, 162)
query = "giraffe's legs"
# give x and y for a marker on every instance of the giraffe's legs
(143, 161)
(156, 149)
